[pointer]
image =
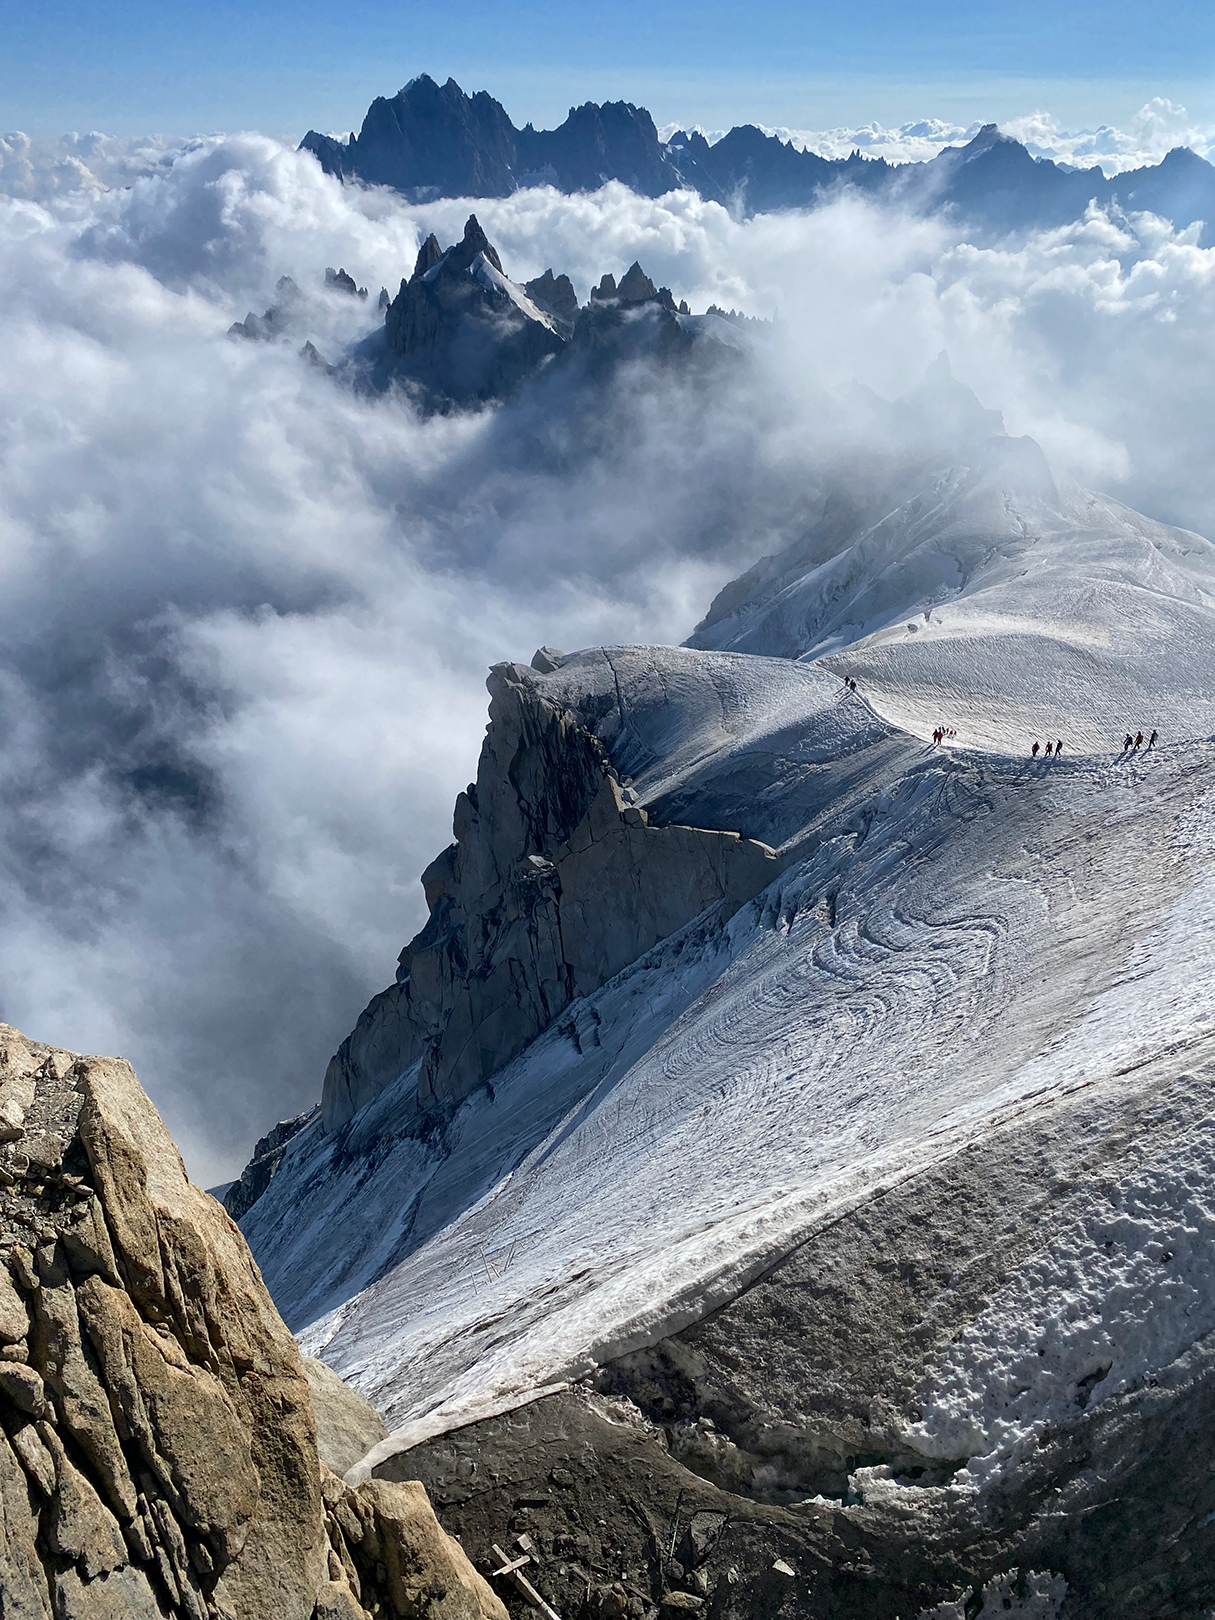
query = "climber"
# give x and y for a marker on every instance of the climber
(1058, 748)
(1049, 748)
(1034, 750)
(1139, 740)
(1152, 740)
(1128, 740)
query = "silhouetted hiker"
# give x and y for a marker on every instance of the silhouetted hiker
(1049, 749)
(1058, 749)
(1152, 740)
(1139, 740)
(1034, 750)
(1127, 742)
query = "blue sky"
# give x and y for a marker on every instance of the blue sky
(133, 66)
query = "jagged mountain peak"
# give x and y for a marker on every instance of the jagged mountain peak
(429, 255)
(635, 286)
(430, 141)
(473, 241)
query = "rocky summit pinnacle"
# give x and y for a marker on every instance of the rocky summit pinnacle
(460, 332)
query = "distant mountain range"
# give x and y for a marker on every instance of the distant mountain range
(431, 141)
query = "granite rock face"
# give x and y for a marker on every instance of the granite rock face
(347, 1425)
(158, 1443)
(556, 880)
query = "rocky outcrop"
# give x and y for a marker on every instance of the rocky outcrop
(556, 295)
(459, 329)
(277, 319)
(460, 332)
(342, 281)
(267, 1156)
(556, 880)
(347, 1425)
(632, 318)
(158, 1444)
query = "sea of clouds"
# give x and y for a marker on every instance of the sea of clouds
(246, 613)
(1156, 128)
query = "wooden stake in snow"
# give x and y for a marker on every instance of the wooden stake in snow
(514, 1568)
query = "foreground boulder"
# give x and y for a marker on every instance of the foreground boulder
(158, 1443)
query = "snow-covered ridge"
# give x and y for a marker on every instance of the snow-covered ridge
(958, 936)
(997, 603)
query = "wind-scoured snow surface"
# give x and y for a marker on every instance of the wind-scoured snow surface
(961, 935)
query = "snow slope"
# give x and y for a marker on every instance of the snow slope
(992, 600)
(957, 938)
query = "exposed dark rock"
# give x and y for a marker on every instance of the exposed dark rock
(555, 294)
(267, 1155)
(459, 329)
(431, 141)
(341, 281)
(635, 286)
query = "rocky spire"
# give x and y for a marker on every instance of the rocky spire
(635, 286)
(429, 255)
(473, 242)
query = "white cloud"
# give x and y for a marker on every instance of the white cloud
(246, 614)
(1155, 129)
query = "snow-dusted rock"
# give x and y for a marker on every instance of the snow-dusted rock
(459, 329)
